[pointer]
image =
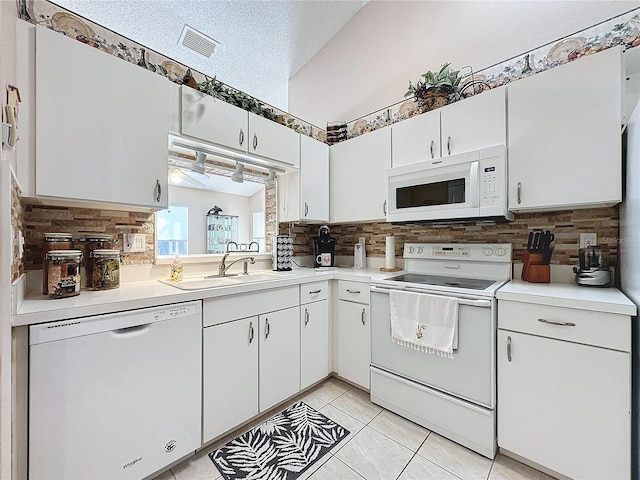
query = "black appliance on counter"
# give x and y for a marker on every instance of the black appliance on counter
(594, 267)
(324, 248)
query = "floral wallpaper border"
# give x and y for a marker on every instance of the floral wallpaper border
(621, 30)
(54, 17)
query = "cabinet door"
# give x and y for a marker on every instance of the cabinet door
(101, 126)
(314, 342)
(354, 342)
(475, 122)
(358, 177)
(314, 180)
(416, 139)
(174, 93)
(272, 140)
(207, 118)
(230, 375)
(279, 356)
(564, 405)
(564, 135)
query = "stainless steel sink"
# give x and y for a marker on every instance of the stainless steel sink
(213, 281)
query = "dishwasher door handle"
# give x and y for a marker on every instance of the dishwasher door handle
(131, 330)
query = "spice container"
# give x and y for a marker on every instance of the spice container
(103, 269)
(63, 273)
(53, 241)
(94, 242)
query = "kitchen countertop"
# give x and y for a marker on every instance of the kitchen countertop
(37, 308)
(568, 295)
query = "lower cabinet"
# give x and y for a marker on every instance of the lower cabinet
(354, 334)
(564, 389)
(314, 333)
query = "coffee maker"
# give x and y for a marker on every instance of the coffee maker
(324, 248)
(594, 268)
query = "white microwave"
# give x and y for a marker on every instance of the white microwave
(465, 187)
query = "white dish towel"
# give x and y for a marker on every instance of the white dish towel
(424, 322)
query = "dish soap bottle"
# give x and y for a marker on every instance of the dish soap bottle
(176, 269)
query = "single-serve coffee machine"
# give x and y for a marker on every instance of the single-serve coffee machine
(324, 248)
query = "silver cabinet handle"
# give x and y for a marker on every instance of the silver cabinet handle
(508, 349)
(519, 192)
(306, 209)
(250, 332)
(353, 291)
(255, 141)
(267, 328)
(241, 137)
(306, 317)
(384, 207)
(158, 190)
(362, 316)
(315, 292)
(449, 145)
(431, 148)
(551, 322)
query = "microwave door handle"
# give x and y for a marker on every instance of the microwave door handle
(474, 186)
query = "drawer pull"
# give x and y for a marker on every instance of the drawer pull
(362, 316)
(353, 291)
(267, 328)
(562, 324)
(306, 317)
(314, 292)
(508, 349)
(250, 332)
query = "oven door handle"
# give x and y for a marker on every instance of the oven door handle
(461, 301)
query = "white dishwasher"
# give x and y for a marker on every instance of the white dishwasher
(115, 396)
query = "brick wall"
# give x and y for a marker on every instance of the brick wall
(18, 225)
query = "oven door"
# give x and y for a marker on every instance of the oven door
(469, 375)
(424, 191)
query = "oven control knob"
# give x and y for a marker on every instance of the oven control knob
(501, 252)
(487, 252)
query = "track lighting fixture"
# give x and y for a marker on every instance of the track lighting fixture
(238, 175)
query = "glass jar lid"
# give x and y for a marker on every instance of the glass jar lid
(98, 238)
(57, 237)
(105, 253)
(64, 255)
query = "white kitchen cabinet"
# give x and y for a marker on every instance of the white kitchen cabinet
(354, 332)
(271, 140)
(174, 102)
(564, 389)
(565, 135)
(416, 139)
(314, 333)
(230, 375)
(474, 123)
(304, 195)
(279, 354)
(101, 126)
(358, 177)
(212, 120)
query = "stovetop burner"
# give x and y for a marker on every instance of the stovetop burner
(441, 281)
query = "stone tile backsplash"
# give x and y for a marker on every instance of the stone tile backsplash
(566, 225)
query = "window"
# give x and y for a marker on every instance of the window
(172, 230)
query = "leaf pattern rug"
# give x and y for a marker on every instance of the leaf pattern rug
(281, 448)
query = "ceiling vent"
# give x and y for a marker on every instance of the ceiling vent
(197, 42)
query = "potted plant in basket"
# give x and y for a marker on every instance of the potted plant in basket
(435, 89)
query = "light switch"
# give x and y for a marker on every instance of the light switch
(134, 242)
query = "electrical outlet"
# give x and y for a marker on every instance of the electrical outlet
(588, 240)
(134, 242)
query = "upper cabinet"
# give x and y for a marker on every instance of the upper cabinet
(471, 124)
(564, 135)
(100, 126)
(304, 195)
(474, 123)
(211, 120)
(358, 177)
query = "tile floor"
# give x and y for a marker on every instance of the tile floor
(381, 446)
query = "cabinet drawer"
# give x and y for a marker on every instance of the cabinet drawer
(234, 307)
(581, 326)
(312, 292)
(353, 291)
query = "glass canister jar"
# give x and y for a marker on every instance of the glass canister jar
(103, 269)
(63, 273)
(93, 242)
(53, 241)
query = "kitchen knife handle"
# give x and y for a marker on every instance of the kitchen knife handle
(519, 192)
(431, 148)
(449, 145)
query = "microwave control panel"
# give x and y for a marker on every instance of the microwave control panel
(491, 180)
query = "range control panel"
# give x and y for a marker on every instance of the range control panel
(495, 252)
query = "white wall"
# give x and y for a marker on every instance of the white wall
(368, 64)
(200, 202)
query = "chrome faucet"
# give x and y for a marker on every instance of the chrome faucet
(222, 268)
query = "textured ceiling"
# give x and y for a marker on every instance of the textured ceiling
(262, 43)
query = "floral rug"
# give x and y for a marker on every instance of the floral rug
(281, 448)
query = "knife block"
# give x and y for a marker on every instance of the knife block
(534, 268)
